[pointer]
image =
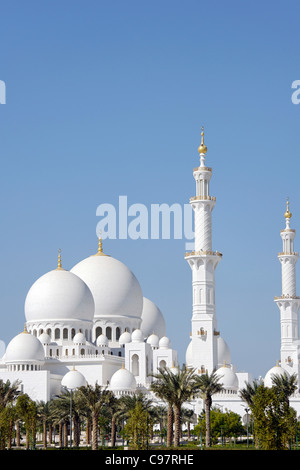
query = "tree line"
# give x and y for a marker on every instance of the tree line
(98, 412)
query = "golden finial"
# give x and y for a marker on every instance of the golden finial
(202, 148)
(100, 249)
(25, 329)
(288, 214)
(59, 260)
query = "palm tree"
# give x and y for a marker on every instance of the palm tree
(188, 417)
(94, 397)
(285, 385)
(44, 413)
(249, 392)
(8, 392)
(175, 387)
(207, 385)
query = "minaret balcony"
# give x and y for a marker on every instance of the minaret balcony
(287, 297)
(202, 253)
(202, 168)
(290, 253)
(202, 198)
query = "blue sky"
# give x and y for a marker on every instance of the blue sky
(108, 98)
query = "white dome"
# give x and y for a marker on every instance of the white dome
(115, 289)
(102, 340)
(79, 338)
(122, 380)
(73, 379)
(137, 336)
(153, 340)
(164, 343)
(227, 378)
(45, 338)
(224, 356)
(59, 295)
(152, 319)
(189, 355)
(125, 338)
(277, 370)
(25, 348)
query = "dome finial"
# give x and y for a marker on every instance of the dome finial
(202, 148)
(100, 249)
(59, 260)
(287, 214)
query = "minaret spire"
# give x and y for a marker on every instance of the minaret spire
(203, 262)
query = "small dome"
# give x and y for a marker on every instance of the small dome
(189, 355)
(164, 343)
(45, 338)
(79, 338)
(153, 340)
(122, 380)
(224, 356)
(25, 348)
(152, 319)
(125, 338)
(277, 370)
(59, 295)
(102, 341)
(227, 378)
(115, 289)
(73, 379)
(137, 336)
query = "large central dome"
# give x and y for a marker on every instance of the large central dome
(59, 295)
(115, 288)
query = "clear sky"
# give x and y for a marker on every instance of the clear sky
(108, 98)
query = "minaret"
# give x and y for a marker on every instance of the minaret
(288, 303)
(203, 262)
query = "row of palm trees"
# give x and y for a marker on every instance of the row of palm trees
(97, 407)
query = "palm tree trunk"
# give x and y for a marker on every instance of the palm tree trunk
(113, 431)
(65, 428)
(44, 434)
(18, 433)
(177, 420)
(170, 426)
(207, 422)
(60, 434)
(88, 431)
(76, 427)
(94, 431)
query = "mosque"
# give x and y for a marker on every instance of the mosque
(93, 324)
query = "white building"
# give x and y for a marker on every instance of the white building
(92, 324)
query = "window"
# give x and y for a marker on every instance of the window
(135, 365)
(98, 331)
(118, 333)
(108, 332)
(65, 333)
(57, 333)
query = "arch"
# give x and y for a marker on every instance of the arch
(135, 365)
(98, 331)
(108, 333)
(57, 333)
(162, 363)
(65, 333)
(118, 333)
